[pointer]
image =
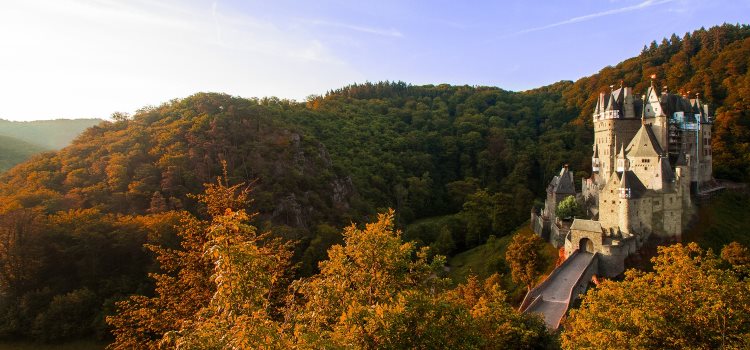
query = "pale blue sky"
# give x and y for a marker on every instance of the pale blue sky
(89, 58)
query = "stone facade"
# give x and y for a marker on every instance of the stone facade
(649, 156)
(546, 223)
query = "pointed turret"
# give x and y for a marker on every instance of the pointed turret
(598, 108)
(622, 161)
(652, 106)
(624, 186)
(612, 104)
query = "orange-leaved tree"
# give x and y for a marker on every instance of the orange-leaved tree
(689, 301)
(224, 279)
(524, 255)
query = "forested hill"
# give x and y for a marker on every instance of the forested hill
(472, 159)
(21, 140)
(14, 151)
(48, 134)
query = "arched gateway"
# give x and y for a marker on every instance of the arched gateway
(586, 245)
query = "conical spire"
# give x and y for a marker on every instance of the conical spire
(624, 182)
(612, 104)
(597, 109)
(622, 162)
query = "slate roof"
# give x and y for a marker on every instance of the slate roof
(598, 107)
(631, 181)
(666, 169)
(611, 103)
(563, 183)
(644, 144)
(675, 103)
(586, 225)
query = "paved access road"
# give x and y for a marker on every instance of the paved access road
(556, 294)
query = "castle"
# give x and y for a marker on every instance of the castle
(651, 155)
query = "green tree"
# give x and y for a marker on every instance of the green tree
(569, 208)
(444, 244)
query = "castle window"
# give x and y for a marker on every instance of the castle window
(656, 202)
(645, 168)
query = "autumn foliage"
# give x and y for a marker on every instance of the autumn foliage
(689, 301)
(229, 287)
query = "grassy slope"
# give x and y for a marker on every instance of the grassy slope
(489, 258)
(14, 151)
(722, 220)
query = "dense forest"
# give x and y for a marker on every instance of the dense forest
(458, 164)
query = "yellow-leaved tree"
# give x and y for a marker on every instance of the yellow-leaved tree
(228, 288)
(374, 291)
(689, 301)
(377, 292)
(221, 290)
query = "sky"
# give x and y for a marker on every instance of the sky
(90, 58)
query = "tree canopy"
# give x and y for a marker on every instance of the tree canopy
(689, 301)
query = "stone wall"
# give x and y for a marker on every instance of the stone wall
(612, 252)
(557, 234)
(540, 226)
(612, 257)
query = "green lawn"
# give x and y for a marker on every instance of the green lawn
(489, 258)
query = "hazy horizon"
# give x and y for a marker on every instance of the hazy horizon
(76, 59)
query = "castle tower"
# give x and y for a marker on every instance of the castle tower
(700, 111)
(654, 111)
(615, 121)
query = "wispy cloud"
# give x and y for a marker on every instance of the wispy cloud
(640, 6)
(369, 30)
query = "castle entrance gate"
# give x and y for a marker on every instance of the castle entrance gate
(586, 245)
